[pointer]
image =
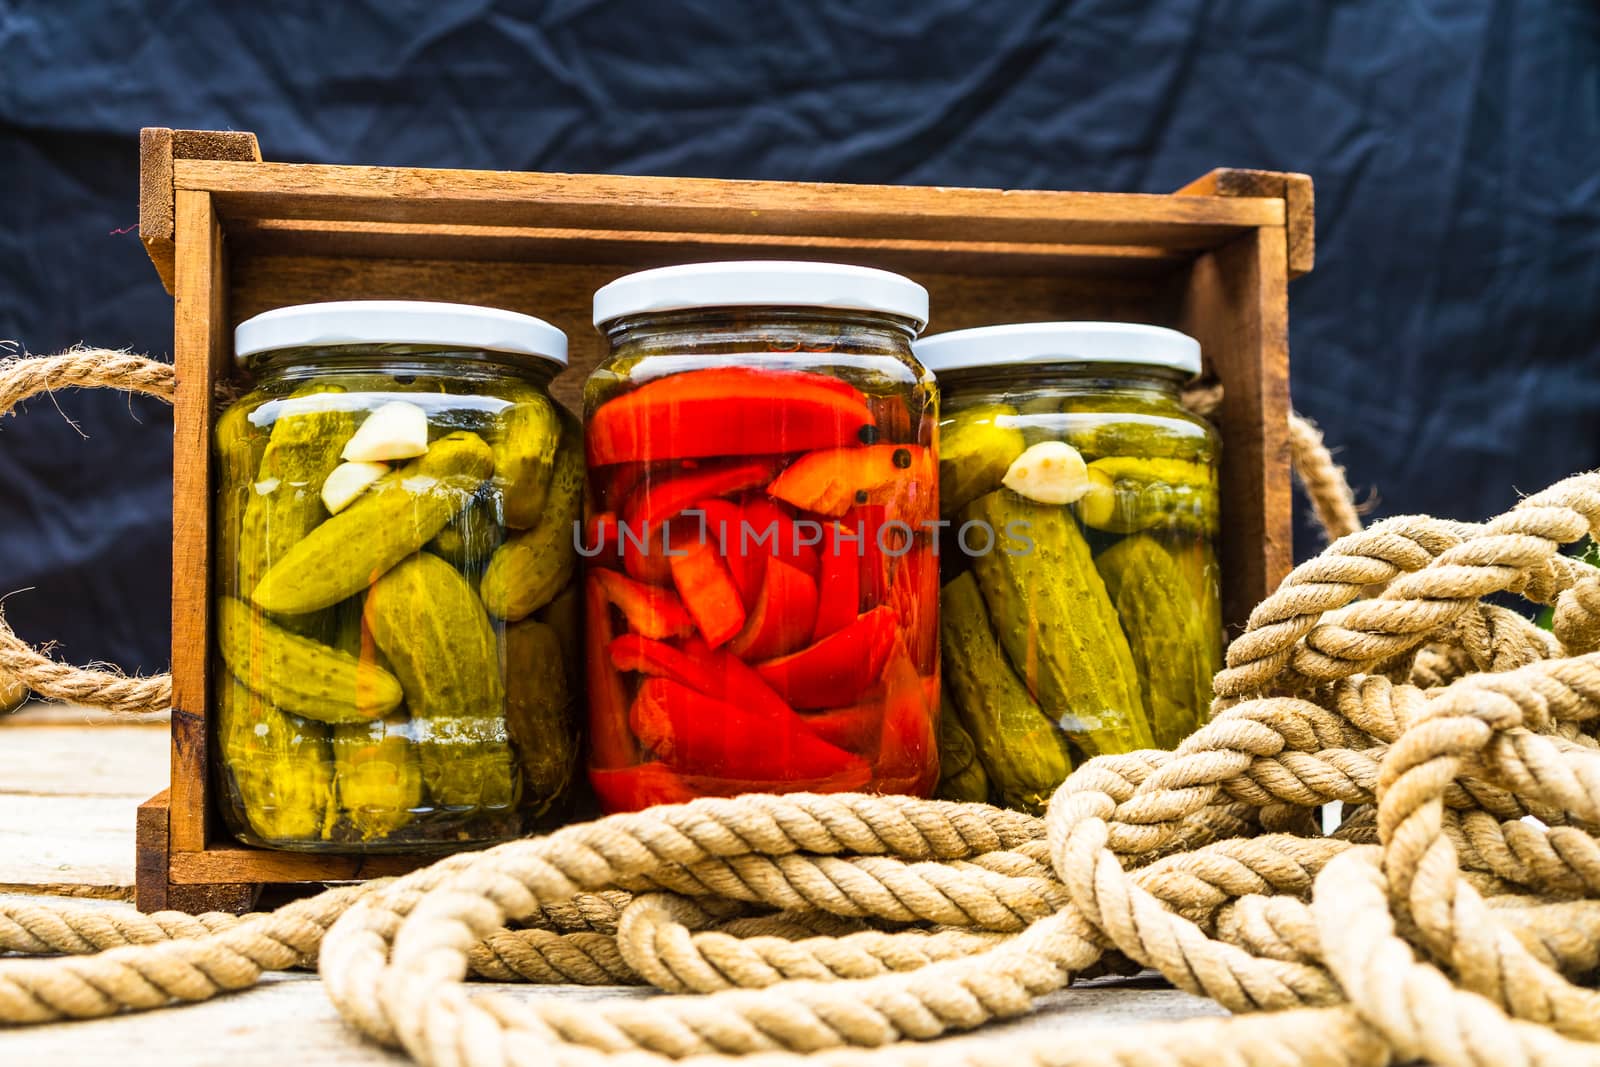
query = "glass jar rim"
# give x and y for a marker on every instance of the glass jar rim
(338, 323)
(762, 283)
(1128, 343)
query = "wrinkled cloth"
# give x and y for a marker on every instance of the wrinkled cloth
(1449, 339)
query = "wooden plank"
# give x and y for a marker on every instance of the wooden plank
(234, 863)
(105, 761)
(645, 248)
(563, 294)
(67, 843)
(289, 1019)
(1237, 307)
(607, 202)
(1296, 190)
(158, 147)
(47, 713)
(201, 344)
(151, 851)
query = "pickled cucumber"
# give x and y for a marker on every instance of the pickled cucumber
(525, 441)
(377, 775)
(529, 570)
(281, 765)
(1057, 625)
(238, 454)
(472, 536)
(400, 513)
(427, 620)
(1023, 752)
(564, 614)
(540, 713)
(1131, 494)
(1166, 632)
(285, 502)
(976, 446)
(1120, 424)
(961, 773)
(298, 674)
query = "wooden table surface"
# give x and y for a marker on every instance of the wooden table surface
(70, 780)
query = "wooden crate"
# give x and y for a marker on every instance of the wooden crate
(232, 236)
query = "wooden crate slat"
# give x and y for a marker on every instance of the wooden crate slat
(226, 863)
(202, 344)
(1299, 200)
(640, 248)
(490, 198)
(158, 149)
(562, 293)
(1237, 307)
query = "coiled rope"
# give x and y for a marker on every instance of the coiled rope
(1452, 917)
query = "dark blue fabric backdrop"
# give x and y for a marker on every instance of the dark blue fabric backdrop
(1449, 339)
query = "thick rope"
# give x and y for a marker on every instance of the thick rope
(1439, 922)
(21, 665)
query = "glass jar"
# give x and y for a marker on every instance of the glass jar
(1080, 597)
(761, 577)
(397, 613)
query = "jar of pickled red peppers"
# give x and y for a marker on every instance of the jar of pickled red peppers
(761, 572)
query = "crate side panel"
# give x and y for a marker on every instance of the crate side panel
(201, 343)
(1236, 305)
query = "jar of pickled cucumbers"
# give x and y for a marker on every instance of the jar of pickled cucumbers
(397, 613)
(761, 581)
(1080, 598)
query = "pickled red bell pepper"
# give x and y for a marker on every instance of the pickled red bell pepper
(697, 734)
(657, 498)
(637, 788)
(716, 673)
(720, 523)
(913, 594)
(854, 729)
(837, 670)
(907, 747)
(868, 520)
(645, 557)
(650, 610)
(831, 481)
(610, 743)
(708, 591)
(783, 616)
(727, 411)
(601, 539)
(838, 580)
(773, 531)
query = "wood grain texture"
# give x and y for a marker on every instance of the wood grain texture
(151, 851)
(289, 1019)
(704, 205)
(562, 293)
(158, 148)
(1236, 305)
(235, 863)
(91, 761)
(201, 346)
(1299, 199)
(63, 840)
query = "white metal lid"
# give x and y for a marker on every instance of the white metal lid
(1059, 342)
(399, 322)
(762, 283)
